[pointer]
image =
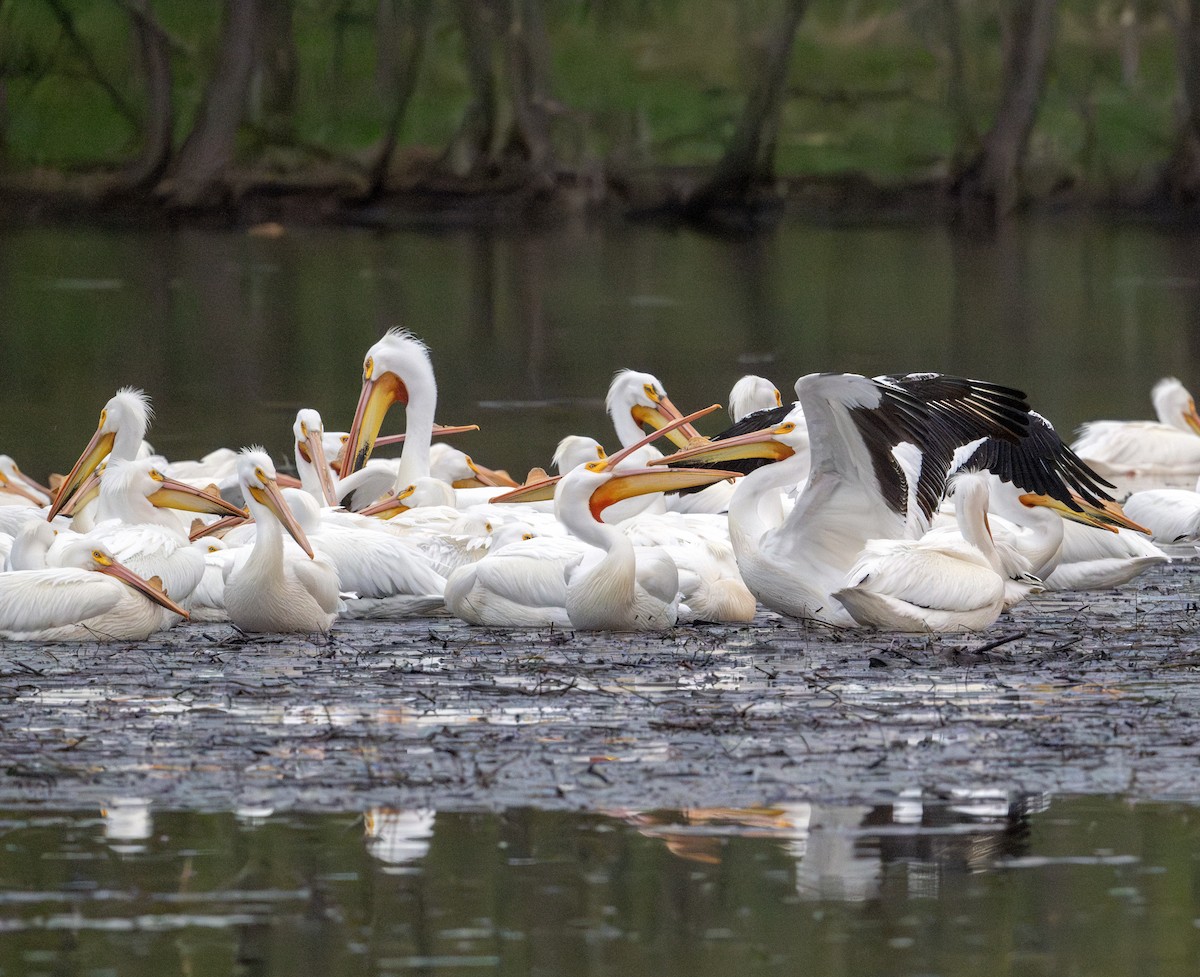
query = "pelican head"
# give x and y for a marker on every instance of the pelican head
(13, 480)
(123, 423)
(256, 474)
(575, 450)
(752, 394)
(310, 452)
(84, 554)
(601, 486)
(642, 399)
(123, 484)
(1174, 405)
(397, 369)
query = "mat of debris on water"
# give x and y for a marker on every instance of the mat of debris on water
(1086, 693)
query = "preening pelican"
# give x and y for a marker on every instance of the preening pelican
(1168, 448)
(1092, 559)
(750, 395)
(268, 592)
(938, 582)
(90, 597)
(123, 423)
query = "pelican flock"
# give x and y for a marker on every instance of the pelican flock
(918, 503)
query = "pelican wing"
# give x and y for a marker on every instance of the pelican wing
(320, 579)
(1040, 462)
(33, 600)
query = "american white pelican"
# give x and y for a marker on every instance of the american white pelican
(312, 465)
(136, 524)
(396, 369)
(750, 395)
(635, 399)
(31, 546)
(268, 592)
(881, 450)
(17, 488)
(90, 597)
(1171, 515)
(123, 423)
(598, 578)
(1168, 448)
(1029, 495)
(461, 471)
(936, 583)
(390, 576)
(1092, 559)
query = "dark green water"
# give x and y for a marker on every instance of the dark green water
(974, 886)
(230, 333)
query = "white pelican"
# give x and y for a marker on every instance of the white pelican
(1092, 559)
(30, 546)
(396, 369)
(1168, 448)
(268, 592)
(123, 423)
(17, 488)
(90, 597)
(1171, 515)
(881, 450)
(635, 399)
(460, 471)
(390, 576)
(598, 578)
(936, 583)
(312, 465)
(750, 395)
(135, 523)
(1029, 495)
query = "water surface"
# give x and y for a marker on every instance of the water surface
(230, 333)
(971, 884)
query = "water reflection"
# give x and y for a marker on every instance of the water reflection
(231, 333)
(971, 883)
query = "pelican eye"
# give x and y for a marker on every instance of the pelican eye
(651, 392)
(487, 526)
(213, 549)
(527, 536)
(345, 438)
(155, 474)
(406, 493)
(787, 428)
(260, 475)
(595, 466)
(368, 368)
(101, 558)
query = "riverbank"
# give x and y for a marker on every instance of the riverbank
(1079, 693)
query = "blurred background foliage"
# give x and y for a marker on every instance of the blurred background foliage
(894, 91)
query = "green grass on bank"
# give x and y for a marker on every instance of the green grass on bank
(639, 83)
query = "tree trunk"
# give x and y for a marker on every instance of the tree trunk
(472, 147)
(992, 178)
(1182, 177)
(748, 164)
(527, 50)
(209, 148)
(966, 139)
(154, 53)
(403, 26)
(274, 77)
(506, 130)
